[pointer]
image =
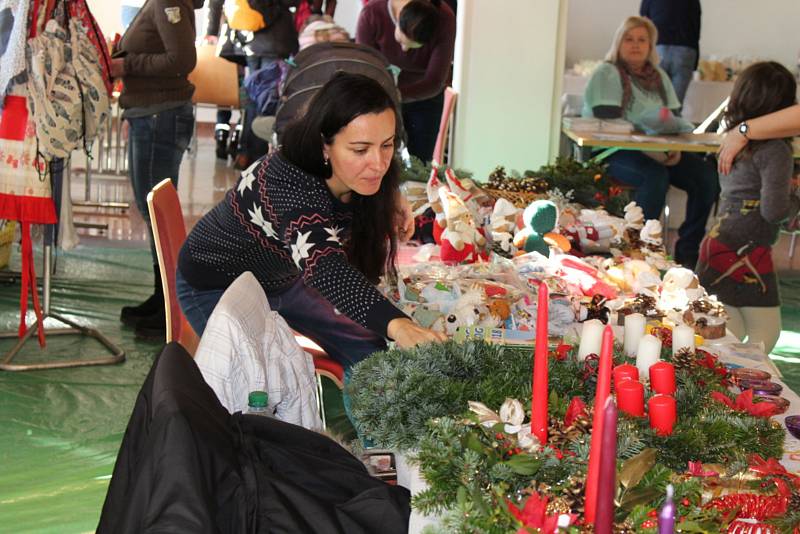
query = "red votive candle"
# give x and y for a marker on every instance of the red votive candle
(662, 378)
(624, 372)
(663, 412)
(630, 397)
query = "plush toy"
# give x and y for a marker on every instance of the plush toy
(634, 216)
(679, 287)
(504, 216)
(465, 189)
(434, 199)
(461, 242)
(468, 310)
(540, 220)
(651, 233)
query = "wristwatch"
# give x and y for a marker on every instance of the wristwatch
(743, 129)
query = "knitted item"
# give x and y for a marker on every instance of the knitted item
(14, 20)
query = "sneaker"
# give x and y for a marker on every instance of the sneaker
(233, 144)
(132, 315)
(153, 328)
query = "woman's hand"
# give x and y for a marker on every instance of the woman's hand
(404, 219)
(673, 158)
(210, 39)
(732, 143)
(406, 333)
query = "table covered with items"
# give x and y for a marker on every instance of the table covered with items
(590, 383)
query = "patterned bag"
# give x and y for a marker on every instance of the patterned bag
(67, 92)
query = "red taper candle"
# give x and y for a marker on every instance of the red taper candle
(603, 391)
(663, 412)
(625, 371)
(540, 381)
(630, 397)
(662, 378)
(604, 518)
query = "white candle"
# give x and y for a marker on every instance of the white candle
(682, 338)
(634, 330)
(648, 353)
(591, 338)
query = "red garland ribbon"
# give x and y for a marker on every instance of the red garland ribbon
(744, 403)
(588, 369)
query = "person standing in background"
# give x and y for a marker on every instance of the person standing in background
(154, 58)
(278, 40)
(418, 36)
(678, 24)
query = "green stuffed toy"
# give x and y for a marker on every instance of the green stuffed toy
(539, 219)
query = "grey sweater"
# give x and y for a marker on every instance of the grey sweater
(756, 195)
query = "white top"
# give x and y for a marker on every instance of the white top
(247, 347)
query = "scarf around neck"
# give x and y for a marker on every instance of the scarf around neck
(648, 80)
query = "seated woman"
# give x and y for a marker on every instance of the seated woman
(630, 85)
(317, 223)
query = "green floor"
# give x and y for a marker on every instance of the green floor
(60, 430)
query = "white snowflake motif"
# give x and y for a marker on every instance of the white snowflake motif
(248, 177)
(300, 248)
(334, 235)
(258, 219)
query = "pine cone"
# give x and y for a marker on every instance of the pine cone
(573, 493)
(684, 359)
(794, 501)
(560, 435)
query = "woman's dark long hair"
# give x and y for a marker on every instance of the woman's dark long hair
(419, 19)
(372, 247)
(760, 89)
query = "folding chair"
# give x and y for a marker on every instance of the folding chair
(169, 233)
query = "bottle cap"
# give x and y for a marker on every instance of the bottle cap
(258, 399)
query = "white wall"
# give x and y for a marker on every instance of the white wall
(766, 29)
(508, 71)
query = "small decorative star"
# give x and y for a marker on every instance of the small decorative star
(334, 235)
(248, 177)
(257, 218)
(300, 248)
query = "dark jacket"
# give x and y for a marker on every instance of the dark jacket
(159, 53)
(677, 21)
(186, 465)
(277, 41)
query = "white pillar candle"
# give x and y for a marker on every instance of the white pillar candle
(682, 338)
(648, 353)
(591, 338)
(634, 330)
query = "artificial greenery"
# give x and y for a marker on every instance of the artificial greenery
(417, 400)
(589, 182)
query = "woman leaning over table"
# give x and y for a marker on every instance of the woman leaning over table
(310, 222)
(630, 85)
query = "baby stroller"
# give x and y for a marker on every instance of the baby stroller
(315, 65)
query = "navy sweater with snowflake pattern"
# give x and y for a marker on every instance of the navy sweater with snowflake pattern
(281, 223)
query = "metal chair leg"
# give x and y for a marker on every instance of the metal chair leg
(117, 354)
(321, 402)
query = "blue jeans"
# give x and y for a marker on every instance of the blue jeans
(421, 122)
(156, 144)
(251, 144)
(678, 62)
(303, 308)
(695, 174)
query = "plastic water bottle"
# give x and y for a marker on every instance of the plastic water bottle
(257, 402)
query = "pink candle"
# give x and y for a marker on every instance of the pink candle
(540, 397)
(604, 519)
(603, 391)
(662, 378)
(625, 371)
(630, 397)
(663, 412)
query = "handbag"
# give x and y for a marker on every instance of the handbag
(215, 79)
